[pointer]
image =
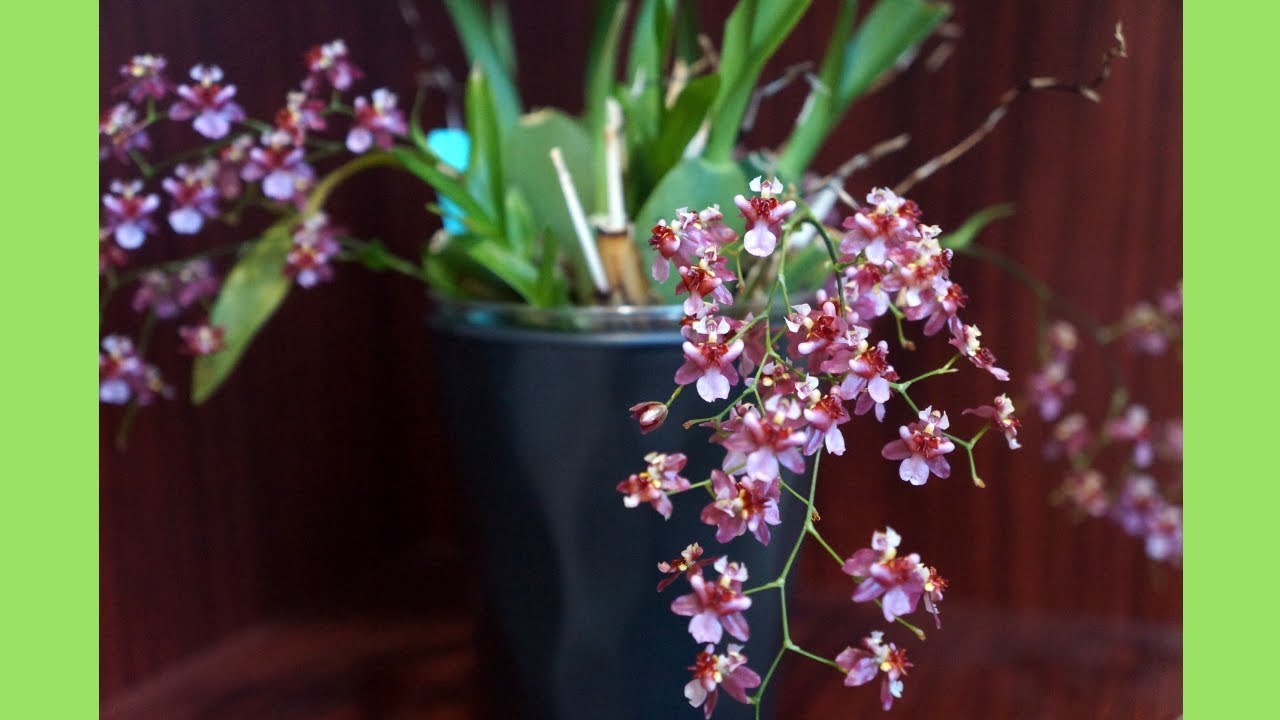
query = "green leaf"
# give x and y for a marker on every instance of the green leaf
(251, 292)
(453, 273)
(552, 288)
(684, 31)
(602, 63)
(484, 170)
(808, 268)
(833, 58)
(448, 183)
(520, 225)
(416, 133)
(644, 79)
(681, 123)
(474, 31)
(374, 255)
(527, 154)
(504, 40)
(890, 29)
(964, 235)
(693, 183)
(517, 272)
(751, 36)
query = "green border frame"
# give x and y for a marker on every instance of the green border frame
(48, 444)
(1230, 392)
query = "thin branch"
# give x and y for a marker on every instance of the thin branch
(950, 34)
(710, 60)
(864, 159)
(774, 87)
(1087, 90)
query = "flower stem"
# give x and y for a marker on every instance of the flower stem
(675, 394)
(831, 251)
(825, 661)
(122, 435)
(781, 581)
(388, 260)
(331, 181)
(822, 541)
(755, 699)
(902, 337)
(792, 490)
(973, 467)
(946, 368)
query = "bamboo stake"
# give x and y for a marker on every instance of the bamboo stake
(585, 240)
(621, 263)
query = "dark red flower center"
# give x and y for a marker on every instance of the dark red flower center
(664, 240)
(831, 405)
(699, 282)
(925, 443)
(704, 666)
(762, 206)
(207, 94)
(752, 504)
(824, 328)
(896, 660)
(713, 352)
(875, 360)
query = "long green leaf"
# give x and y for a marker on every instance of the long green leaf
(833, 58)
(681, 123)
(644, 76)
(601, 68)
(891, 28)
(520, 225)
(517, 272)
(751, 36)
(484, 171)
(684, 31)
(448, 183)
(477, 39)
(693, 183)
(811, 129)
(964, 235)
(551, 288)
(504, 40)
(452, 272)
(250, 294)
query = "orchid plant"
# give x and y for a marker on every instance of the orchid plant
(538, 208)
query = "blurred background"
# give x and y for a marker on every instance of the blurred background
(315, 486)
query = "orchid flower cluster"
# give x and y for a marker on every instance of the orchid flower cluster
(243, 164)
(1142, 495)
(791, 386)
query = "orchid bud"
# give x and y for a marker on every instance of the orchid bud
(650, 415)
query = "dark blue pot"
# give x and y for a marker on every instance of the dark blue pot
(571, 625)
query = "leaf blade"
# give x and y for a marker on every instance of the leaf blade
(250, 294)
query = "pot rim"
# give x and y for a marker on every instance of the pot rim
(613, 325)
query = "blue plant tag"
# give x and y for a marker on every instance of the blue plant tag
(453, 146)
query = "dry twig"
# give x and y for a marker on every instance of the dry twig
(1087, 90)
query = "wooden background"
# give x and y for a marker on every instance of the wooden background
(327, 452)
